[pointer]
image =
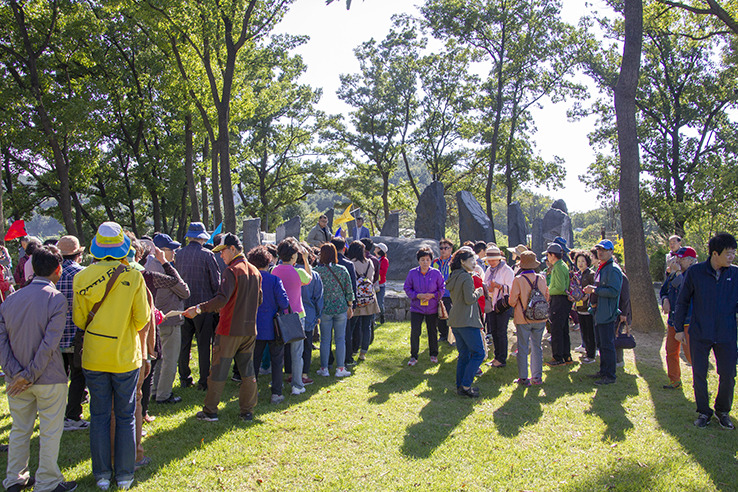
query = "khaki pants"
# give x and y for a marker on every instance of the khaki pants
(166, 368)
(225, 349)
(49, 401)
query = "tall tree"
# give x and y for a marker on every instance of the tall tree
(645, 312)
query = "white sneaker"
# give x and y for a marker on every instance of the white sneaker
(323, 371)
(297, 391)
(342, 372)
(103, 484)
(581, 349)
(277, 399)
(72, 425)
(125, 484)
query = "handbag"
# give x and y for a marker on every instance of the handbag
(289, 326)
(442, 312)
(624, 340)
(79, 335)
(488, 304)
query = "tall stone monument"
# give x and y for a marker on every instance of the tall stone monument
(474, 225)
(291, 228)
(251, 234)
(430, 213)
(391, 226)
(517, 227)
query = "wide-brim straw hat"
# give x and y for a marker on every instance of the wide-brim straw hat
(518, 250)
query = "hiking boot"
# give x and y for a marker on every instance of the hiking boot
(673, 385)
(724, 420)
(703, 420)
(206, 417)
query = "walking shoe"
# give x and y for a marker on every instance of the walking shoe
(184, 383)
(412, 361)
(522, 381)
(171, 400)
(536, 381)
(554, 362)
(125, 484)
(702, 421)
(323, 371)
(73, 425)
(306, 380)
(604, 381)
(586, 360)
(673, 385)
(145, 461)
(103, 484)
(724, 420)
(276, 399)
(297, 391)
(66, 486)
(341, 372)
(434, 359)
(247, 417)
(206, 417)
(580, 349)
(471, 392)
(20, 486)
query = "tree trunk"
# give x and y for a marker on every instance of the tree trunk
(194, 206)
(214, 182)
(385, 195)
(2, 212)
(229, 208)
(646, 316)
(410, 174)
(204, 197)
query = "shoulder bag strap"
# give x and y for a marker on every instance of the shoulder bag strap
(334, 276)
(108, 287)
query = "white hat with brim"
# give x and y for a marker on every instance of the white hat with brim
(110, 242)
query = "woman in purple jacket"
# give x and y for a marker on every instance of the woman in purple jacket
(425, 287)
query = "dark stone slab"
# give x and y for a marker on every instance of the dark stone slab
(560, 204)
(474, 225)
(401, 253)
(517, 227)
(557, 223)
(329, 214)
(391, 226)
(251, 234)
(430, 213)
(291, 228)
(537, 242)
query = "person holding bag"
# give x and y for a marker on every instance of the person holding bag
(366, 302)
(425, 288)
(498, 280)
(529, 331)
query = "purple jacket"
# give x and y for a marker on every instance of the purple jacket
(430, 283)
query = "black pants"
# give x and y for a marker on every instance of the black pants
(146, 389)
(442, 323)
(586, 328)
(559, 317)
(76, 391)
(416, 327)
(276, 353)
(202, 327)
(725, 360)
(497, 328)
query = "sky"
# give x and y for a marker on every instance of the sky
(334, 32)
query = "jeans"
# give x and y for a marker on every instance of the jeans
(605, 337)
(333, 324)
(416, 327)
(296, 350)
(380, 298)
(117, 391)
(529, 341)
(202, 327)
(586, 328)
(276, 352)
(497, 328)
(559, 317)
(470, 344)
(364, 328)
(725, 360)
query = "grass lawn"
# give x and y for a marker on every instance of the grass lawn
(393, 427)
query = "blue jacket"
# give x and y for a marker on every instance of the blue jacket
(312, 301)
(609, 281)
(670, 290)
(351, 270)
(274, 298)
(714, 303)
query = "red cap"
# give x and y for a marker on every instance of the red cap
(686, 253)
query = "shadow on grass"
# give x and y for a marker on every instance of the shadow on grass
(626, 476)
(607, 404)
(713, 448)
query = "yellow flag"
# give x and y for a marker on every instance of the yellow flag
(344, 217)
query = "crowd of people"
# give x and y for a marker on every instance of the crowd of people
(117, 332)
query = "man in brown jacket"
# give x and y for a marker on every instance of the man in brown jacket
(237, 299)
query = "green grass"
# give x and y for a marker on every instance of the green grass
(392, 427)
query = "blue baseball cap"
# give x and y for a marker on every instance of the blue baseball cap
(197, 231)
(561, 242)
(165, 241)
(605, 244)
